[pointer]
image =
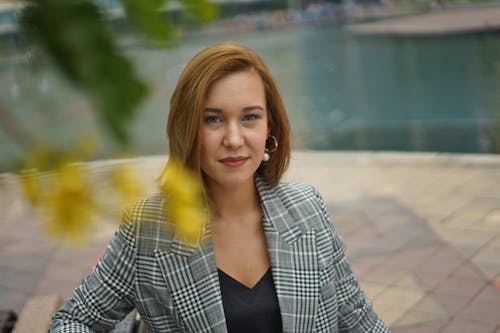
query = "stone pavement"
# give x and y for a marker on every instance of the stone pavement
(422, 232)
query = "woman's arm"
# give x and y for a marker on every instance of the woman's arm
(105, 296)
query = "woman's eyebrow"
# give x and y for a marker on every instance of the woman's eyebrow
(212, 110)
(253, 108)
(245, 109)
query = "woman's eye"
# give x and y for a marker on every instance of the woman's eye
(250, 117)
(213, 119)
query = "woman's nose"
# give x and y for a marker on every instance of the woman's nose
(233, 138)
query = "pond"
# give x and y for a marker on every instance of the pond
(342, 91)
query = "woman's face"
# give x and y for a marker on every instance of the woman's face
(235, 128)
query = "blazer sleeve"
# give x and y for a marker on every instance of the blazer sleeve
(354, 309)
(105, 296)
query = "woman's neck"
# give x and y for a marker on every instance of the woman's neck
(233, 202)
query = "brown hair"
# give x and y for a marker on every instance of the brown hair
(188, 101)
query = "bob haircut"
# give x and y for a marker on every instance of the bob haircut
(185, 119)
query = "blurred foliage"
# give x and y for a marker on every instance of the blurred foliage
(125, 181)
(70, 204)
(184, 201)
(70, 201)
(145, 16)
(75, 36)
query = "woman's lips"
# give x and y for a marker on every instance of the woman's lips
(235, 161)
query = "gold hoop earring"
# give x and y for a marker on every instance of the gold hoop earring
(275, 144)
(268, 151)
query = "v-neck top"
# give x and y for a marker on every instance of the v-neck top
(250, 310)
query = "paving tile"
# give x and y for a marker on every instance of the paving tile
(18, 280)
(424, 237)
(378, 207)
(12, 299)
(496, 284)
(432, 327)
(63, 287)
(461, 286)
(496, 241)
(368, 234)
(468, 271)
(362, 266)
(71, 273)
(468, 326)
(487, 259)
(409, 280)
(33, 262)
(446, 205)
(359, 249)
(425, 311)
(484, 312)
(473, 212)
(488, 254)
(492, 220)
(490, 294)
(410, 259)
(384, 275)
(392, 220)
(466, 237)
(442, 262)
(20, 246)
(371, 289)
(389, 313)
(466, 251)
(490, 270)
(348, 222)
(405, 298)
(452, 304)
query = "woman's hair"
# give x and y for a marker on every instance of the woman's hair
(185, 119)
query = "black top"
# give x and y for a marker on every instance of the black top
(250, 310)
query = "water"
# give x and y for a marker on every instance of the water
(342, 91)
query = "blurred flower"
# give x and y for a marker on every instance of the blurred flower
(69, 204)
(124, 180)
(87, 144)
(30, 184)
(185, 203)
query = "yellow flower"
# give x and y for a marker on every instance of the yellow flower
(184, 203)
(69, 204)
(31, 186)
(87, 144)
(126, 183)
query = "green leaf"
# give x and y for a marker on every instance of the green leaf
(146, 16)
(75, 36)
(200, 10)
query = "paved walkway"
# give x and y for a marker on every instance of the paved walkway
(436, 22)
(422, 232)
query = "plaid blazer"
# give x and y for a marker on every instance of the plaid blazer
(175, 287)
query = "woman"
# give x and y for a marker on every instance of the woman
(271, 262)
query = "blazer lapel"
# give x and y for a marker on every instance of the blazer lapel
(191, 275)
(294, 261)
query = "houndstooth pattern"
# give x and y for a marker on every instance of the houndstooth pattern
(175, 287)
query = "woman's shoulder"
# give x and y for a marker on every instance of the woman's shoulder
(302, 203)
(146, 222)
(295, 193)
(296, 188)
(147, 207)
